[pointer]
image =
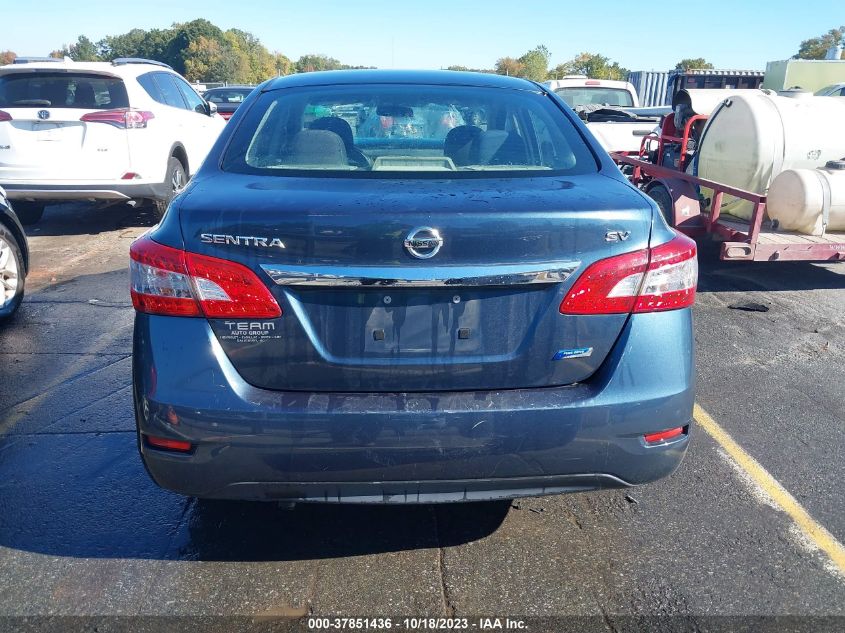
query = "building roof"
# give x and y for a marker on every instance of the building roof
(117, 67)
(719, 72)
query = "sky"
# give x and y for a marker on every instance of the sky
(436, 33)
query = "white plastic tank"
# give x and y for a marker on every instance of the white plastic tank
(752, 137)
(799, 199)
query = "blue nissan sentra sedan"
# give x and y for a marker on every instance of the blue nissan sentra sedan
(410, 287)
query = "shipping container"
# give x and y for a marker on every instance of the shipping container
(712, 79)
(650, 86)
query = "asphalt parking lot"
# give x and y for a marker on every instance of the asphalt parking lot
(84, 532)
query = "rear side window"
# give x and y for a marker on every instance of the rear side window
(148, 83)
(170, 93)
(586, 95)
(194, 101)
(62, 90)
(409, 131)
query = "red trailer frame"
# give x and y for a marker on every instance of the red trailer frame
(748, 241)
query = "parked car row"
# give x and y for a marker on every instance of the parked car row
(107, 132)
(227, 98)
(542, 321)
(410, 287)
(14, 259)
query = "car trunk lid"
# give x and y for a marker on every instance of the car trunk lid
(46, 137)
(362, 313)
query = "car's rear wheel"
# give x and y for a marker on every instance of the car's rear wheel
(660, 194)
(11, 273)
(28, 212)
(175, 181)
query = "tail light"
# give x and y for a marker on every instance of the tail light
(124, 118)
(650, 280)
(167, 444)
(664, 436)
(5, 116)
(172, 282)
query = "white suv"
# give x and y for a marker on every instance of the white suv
(130, 129)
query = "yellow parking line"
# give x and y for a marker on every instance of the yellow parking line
(814, 531)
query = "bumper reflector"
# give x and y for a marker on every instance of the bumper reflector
(662, 436)
(166, 444)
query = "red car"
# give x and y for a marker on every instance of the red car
(227, 99)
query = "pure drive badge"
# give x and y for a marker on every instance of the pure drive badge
(241, 240)
(578, 352)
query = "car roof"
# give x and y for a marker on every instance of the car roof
(117, 70)
(421, 77)
(586, 82)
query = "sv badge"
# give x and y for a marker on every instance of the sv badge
(617, 236)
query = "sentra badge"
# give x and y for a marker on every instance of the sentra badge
(241, 240)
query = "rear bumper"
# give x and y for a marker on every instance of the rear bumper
(100, 191)
(252, 443)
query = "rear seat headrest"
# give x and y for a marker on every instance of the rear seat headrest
(317, 147)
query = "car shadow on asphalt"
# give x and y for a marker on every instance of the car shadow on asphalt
(86, 495)
(89, 219)
(72, 483)
(726, 276)
(257, 531)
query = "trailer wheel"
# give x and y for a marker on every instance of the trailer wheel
(660, 194)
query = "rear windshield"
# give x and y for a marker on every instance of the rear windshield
(417, 131)
(62, 90)
(586, 95)
(227, 95)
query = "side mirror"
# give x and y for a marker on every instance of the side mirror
(212, 108)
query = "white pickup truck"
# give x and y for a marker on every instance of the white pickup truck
(611, 110)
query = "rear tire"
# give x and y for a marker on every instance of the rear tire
(660, 194)
(12, 273)
(175, 180)
(28, 212)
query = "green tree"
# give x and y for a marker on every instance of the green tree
(283, 64)
(208, 59)
(509, 66)
(695, 63)
(185, 33)
(7, 57)
(260, 62)
(535, 63)
(559, 72)
(310, 63)
(199, 50)
(817, 47)
(591, 65)
(152, 44)
(127, 45)
(83, 51)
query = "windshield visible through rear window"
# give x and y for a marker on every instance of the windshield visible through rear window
(62, 90)
(416, 131)
(227, 96)
(585, 95)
